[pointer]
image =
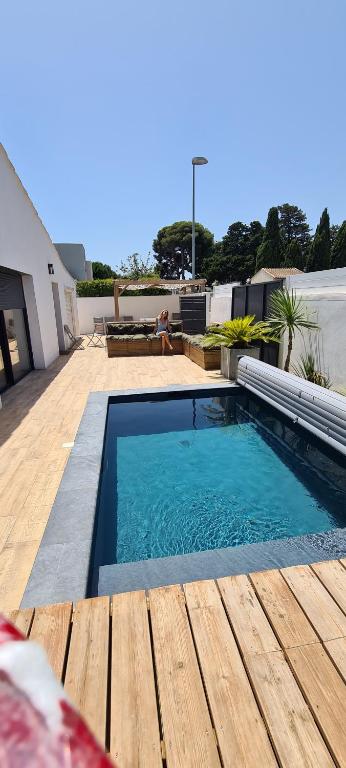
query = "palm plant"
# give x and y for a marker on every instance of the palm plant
(240, 333)
(308, 369)
(287, 313)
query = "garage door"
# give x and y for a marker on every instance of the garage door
(69, 310)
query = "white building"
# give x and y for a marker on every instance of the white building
(268, 274)
(37, 293)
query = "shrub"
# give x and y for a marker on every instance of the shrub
(106, 288)
(95, 288)
(240, 333)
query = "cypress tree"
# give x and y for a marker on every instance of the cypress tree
(294, 255)
(319, 254)
(338, 258)
(269, 253)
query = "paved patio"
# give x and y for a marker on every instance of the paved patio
(38, 423)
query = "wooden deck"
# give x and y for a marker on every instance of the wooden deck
(38, 423)
(247, 672)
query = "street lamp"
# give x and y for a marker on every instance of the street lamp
(195, 161)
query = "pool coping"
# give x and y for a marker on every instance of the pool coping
(61, 569)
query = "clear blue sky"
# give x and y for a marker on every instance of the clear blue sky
(103, 103)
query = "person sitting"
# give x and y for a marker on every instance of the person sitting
(162, 328)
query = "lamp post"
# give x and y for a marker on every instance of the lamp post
(195, 161)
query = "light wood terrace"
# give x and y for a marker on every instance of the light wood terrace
(247, 671)
(38, 423)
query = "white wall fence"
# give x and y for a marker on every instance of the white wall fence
(221, 303)
(324, 294)
(136, 306)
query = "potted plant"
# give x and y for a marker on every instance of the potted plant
(287, 313)
(236, 338)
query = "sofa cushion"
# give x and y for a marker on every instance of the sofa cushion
(137, 337)
(130, 329)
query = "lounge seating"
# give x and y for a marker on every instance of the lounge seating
(131, 339)
(134, 339)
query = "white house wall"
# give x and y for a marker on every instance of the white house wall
(26, 247)
(324, 294)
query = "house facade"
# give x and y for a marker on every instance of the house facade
(37, 292)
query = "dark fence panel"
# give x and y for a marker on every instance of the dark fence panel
(239, 301)
(254, 300)
(193, 313)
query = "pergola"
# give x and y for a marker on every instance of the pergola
(121, 284)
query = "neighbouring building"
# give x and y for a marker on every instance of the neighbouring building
(267, 274)
(37, 292)
(73, 256)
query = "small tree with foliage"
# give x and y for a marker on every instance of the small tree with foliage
(338, 257)
(319, 254)
(102, 271)
(135, 267)
(269, 252)
(288, 313)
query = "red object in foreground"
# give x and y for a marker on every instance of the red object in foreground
(38, 726)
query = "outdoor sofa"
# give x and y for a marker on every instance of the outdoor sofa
(134, 339)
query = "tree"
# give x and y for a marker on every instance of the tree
(102, 271)
(294, 255)
(136, 267)
(294, 227)
(338, 257)
(269, 253)
(173, 245)
(319, 254)
(235, 247)
(287, 313)
(334, 229)
(216, 268)
(234, 257)
(256, 235)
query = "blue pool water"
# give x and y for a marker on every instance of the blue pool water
(190, 474)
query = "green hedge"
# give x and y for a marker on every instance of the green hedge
(105, 288)
(95, 287)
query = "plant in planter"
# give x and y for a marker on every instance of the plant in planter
(308, 369)
(287, 313)
(236, 337)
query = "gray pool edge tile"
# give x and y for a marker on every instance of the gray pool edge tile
(214, 564)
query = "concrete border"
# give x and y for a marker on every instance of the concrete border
(61, 569)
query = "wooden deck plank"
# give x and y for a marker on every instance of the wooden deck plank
(323, 612)
(187, 728)
(284, 613)
(326, 694)
(22, 619)
(50, 628)
(87, 665)
(6, 525)
(246, 615)
(337, 651)
(333, 576)
(135, 736)
(291, 725)
(234, 709)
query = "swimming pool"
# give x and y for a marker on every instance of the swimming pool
(184, 474)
